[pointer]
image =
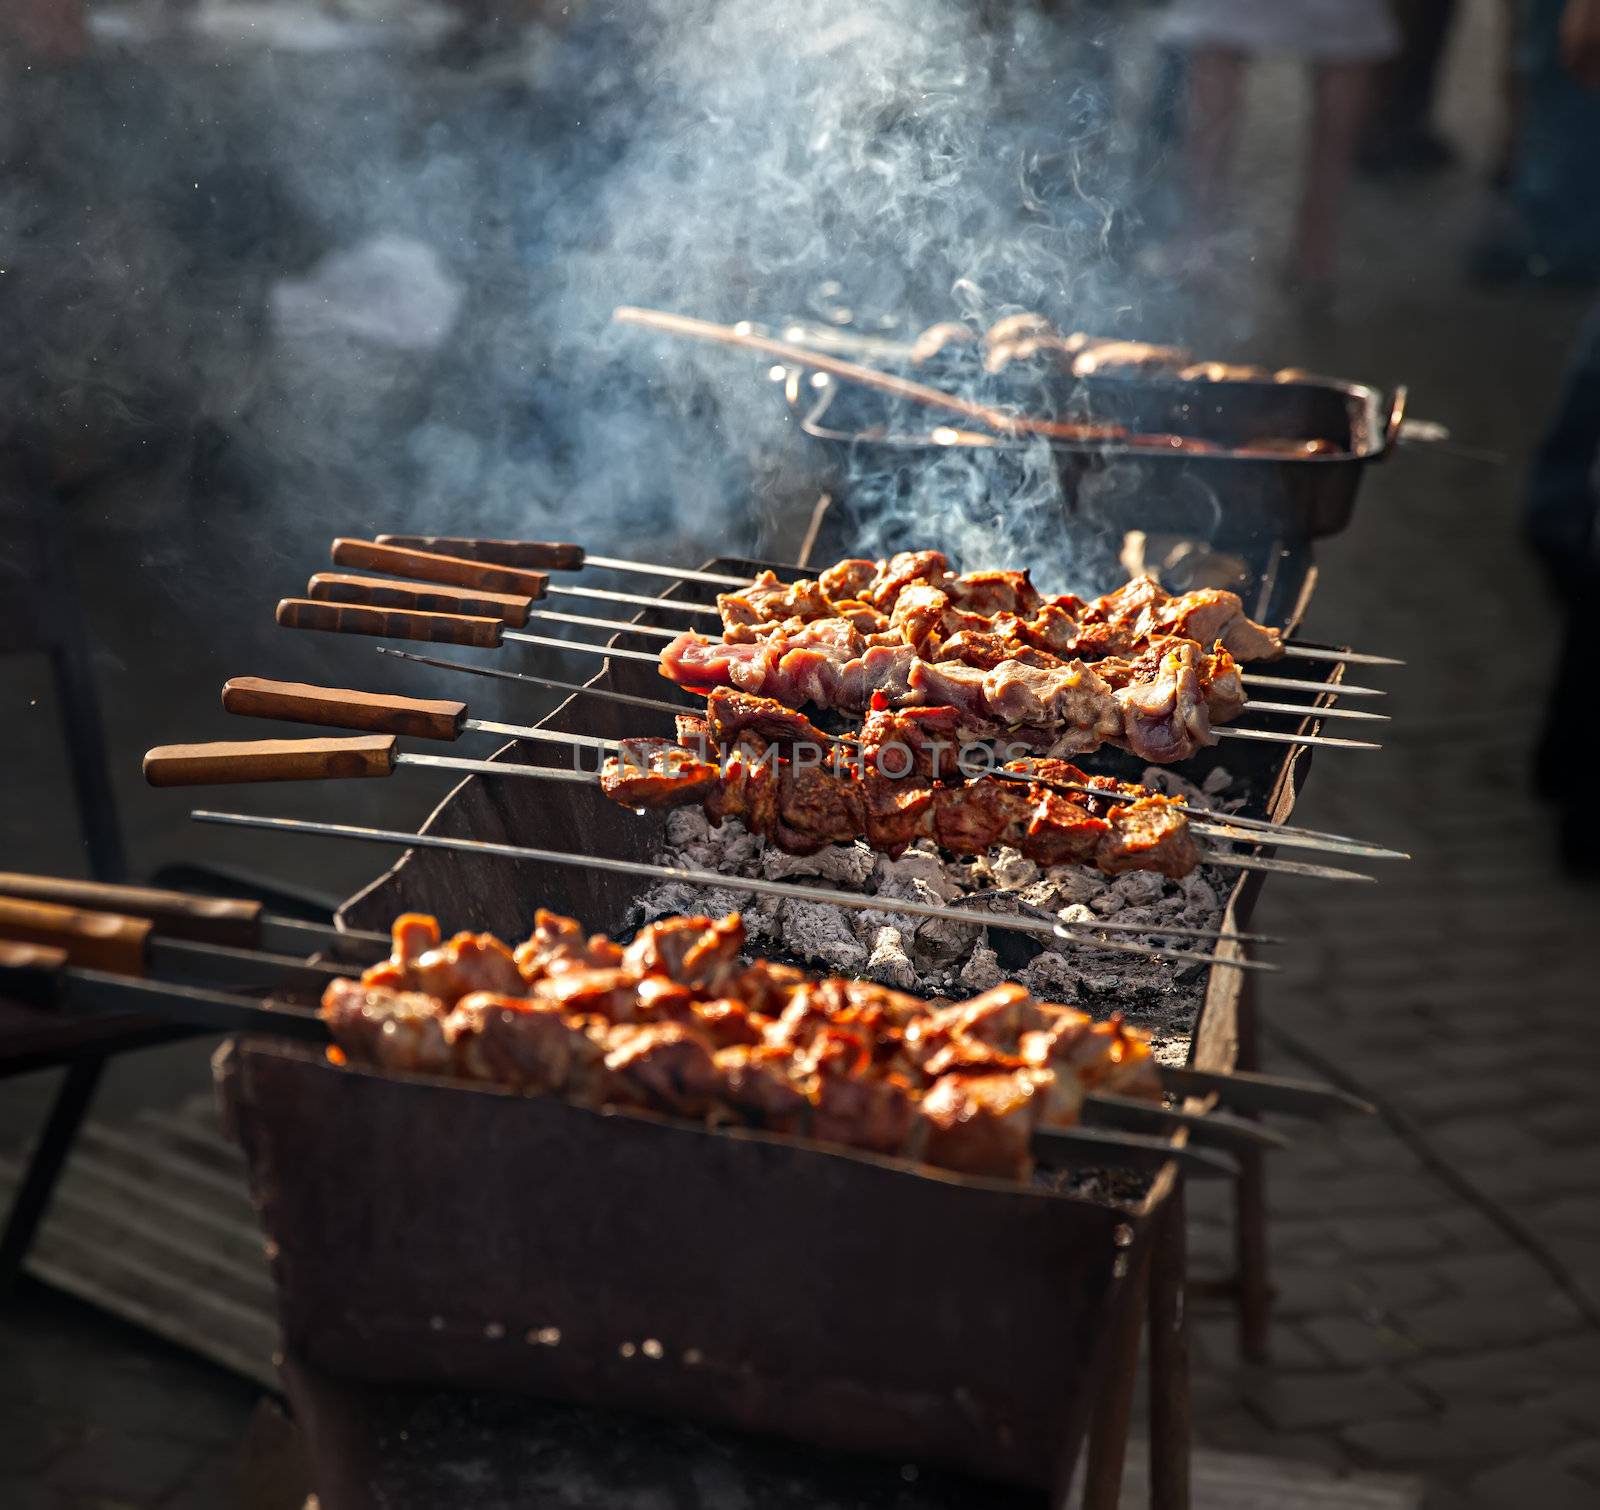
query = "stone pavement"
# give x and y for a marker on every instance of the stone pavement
(1436, 1268)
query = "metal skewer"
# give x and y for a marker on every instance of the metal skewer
(651, 631)
(855, 901)
(1277, 833)
(547, 556)
(1226, 731)
(375, 755)
(1120, 1133)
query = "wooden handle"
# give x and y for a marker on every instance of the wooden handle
(230, 761)
(207, 920)
(389, 623)
(31, 973)
(538, 555)
(428, 566)
(94, 940)
(379, 592)
(340, 708)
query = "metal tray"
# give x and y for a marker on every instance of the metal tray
(1223, 497)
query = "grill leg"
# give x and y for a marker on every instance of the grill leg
(1108, 1431)
(1170, 1420)
(56, 1138)
(1250, 1213)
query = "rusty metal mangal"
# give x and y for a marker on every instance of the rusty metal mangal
(469, 1238)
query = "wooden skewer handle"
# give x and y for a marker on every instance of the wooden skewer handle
(31, 973)
(230, 921)
(380, 592)
(95, 940)
(231, 761)
(538, 555)
(389, 623)
(429, 566)
(341, 708)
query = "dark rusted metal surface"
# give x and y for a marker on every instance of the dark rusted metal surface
(441, 1234)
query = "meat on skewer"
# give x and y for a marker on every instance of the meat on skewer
(917, 593)
(894, 790)
(678, 1023)
(1161, 707)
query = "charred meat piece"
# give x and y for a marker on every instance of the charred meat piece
(396, 1030)
(816, 808)
(982, 1124)
(656, 773)
(849, 579)
(767, 598)
(695, 951)
(898, 572)
(992, 592)
(528, 1045)
(664, 1066)
(608, 993)
(849, 1105)
(972, 819)
(1061, 831)
(922, 742)
(730, 714)
(1151, 834)
(757, 1087)
(894, 812)
(558, 943)
(468, 962)
(1165, 718)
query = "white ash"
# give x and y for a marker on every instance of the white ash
(936, 957)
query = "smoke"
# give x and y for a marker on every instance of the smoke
(876, 165)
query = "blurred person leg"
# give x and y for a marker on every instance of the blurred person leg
(1553, 231)
(1563, 524)
(1401, 136)
(1342, 91)
(1215, 97)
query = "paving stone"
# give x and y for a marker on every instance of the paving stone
(1459, 1434)
(1398, 1286)
(1389, 1236)
(1572, 1213)
(1298, 1402)
(1576, 1356)
(1532, 1482)
(1366, 1191)
(1480, 1273)
(1503, 1373)
(1304, 1291)
(1503, 1321)
(1355, 1341)
(1217, 1339)
(1579, 1403)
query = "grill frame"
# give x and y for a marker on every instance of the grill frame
(1054, 1275)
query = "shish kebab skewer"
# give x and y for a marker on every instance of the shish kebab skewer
(427, 718)
(132, 946)
(44, 976)
(554, 556)
(1269, 832)
(1255, 705)
(516, 612)
(855, 901)
(239, 923)
(1156, 837)
(485, 633)
(229, 763)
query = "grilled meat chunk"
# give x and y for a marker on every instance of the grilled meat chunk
(663, 1066)
(697, 951)
(530, 1045)
(397, 1030)
(1151, 834)
(982, 1124)
(656, 773)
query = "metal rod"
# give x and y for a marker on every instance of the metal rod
(496, 768)
(1230, 731)
(1309, 710)
(1324, 653)
(1283, 684)
(1215, 1128)
(1056, 1146)
(1247, 1090)
(637, 599)
(655, 704)
(591, 742)
(677, 573)
(855, 901)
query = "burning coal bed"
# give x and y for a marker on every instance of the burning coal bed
(936, 958)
